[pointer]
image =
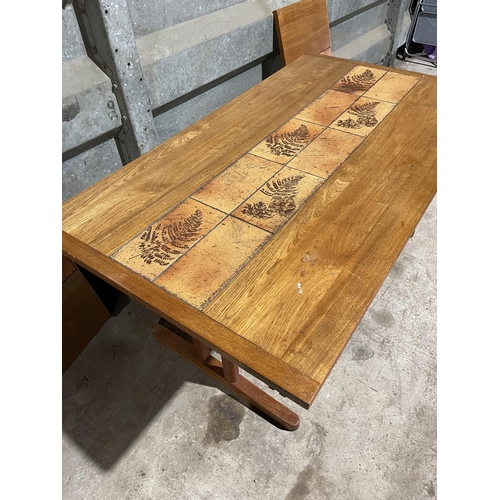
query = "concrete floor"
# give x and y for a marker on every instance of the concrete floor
(139, 422)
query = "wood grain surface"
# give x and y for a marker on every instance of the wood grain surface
(303, 28)
(311, 284)
(194, 250)
(109, 213)
(285, 306)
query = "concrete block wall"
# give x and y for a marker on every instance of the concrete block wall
(136, 72)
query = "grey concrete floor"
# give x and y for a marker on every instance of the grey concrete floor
(140, 422)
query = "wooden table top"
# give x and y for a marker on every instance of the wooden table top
(266, 228)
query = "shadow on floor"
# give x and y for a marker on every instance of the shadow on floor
(121, 380)
(119, 383)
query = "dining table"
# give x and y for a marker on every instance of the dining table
(263, 231)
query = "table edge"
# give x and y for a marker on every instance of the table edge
(277, 374)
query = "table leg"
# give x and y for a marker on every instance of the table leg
(201, 351)
(227, 373)
(231, 373)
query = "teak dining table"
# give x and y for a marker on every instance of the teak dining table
(264, 230)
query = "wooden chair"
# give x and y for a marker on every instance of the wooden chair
(303, 28)
(83, 313)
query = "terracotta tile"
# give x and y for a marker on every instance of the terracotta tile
(392, 87)
(363, 116)
(279, 199)
(326, 153)
(285, 142)
(327, 107)
(235, 184)
(206, 268)
(166, 240)
(358, 80)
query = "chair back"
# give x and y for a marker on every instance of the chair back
(303, 28)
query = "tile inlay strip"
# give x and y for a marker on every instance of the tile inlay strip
(199, 246)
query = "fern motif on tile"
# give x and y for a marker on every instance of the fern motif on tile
(282, 193)
(288, 143)
(365, 114)
(360, 82)
(162, 243)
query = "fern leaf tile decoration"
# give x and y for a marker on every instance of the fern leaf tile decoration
(363, 116)
(287, 141)
(271, 206)
(164, 241)
(282, 193)
(359, 80)
(283, 188)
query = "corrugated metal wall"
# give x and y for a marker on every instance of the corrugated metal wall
(136, 72)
